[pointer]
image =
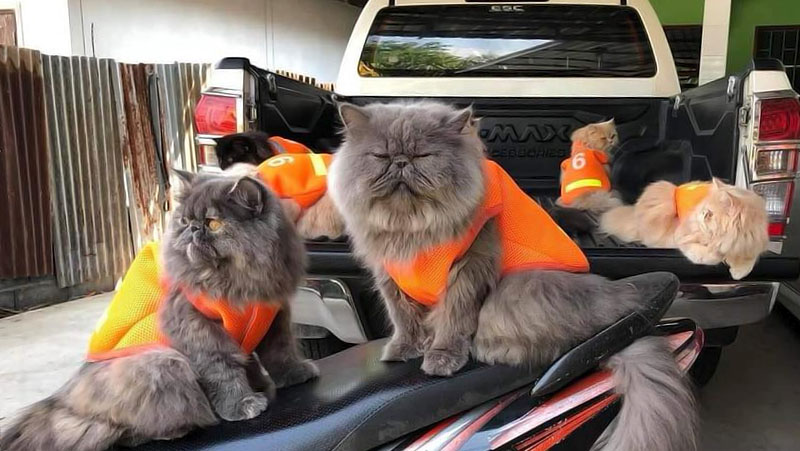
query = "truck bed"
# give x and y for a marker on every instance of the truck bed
(529, 137)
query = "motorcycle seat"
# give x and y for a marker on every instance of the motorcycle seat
(357, 403)
(360, 402)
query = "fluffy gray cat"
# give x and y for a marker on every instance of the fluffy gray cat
(251, 253)
(409, 176)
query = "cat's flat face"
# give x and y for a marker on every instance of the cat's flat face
(228, 233)
(404, 165)
(731, 211)
(601, 136)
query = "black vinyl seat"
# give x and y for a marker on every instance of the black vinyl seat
(360, 402)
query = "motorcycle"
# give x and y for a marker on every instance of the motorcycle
(362, 403)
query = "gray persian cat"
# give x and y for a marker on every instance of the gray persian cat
(410, 176)
(251, 252)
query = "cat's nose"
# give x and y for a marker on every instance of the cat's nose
(401, 162)
(194, 227)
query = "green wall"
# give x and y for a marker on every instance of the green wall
(679, 12)
(745, 16)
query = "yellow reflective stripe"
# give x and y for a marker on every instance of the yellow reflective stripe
(318, 164)
(584, 183)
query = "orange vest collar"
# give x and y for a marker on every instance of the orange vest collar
(247, 325)
(529, 239)
(688, 195)
(280, 145)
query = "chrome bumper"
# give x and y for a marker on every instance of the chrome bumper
(713, 306)
(328, 304)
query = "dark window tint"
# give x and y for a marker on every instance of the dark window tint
(684, 41)
(782, 43)
(507, 41)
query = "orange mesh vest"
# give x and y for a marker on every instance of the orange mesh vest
(528, 236)
(280, 145)
(302, 177)
(583, 172)
(688, 195)
(130, 323)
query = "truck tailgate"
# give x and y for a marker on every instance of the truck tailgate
(607, 256)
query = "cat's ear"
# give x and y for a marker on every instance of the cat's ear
(724, 196)
(249, 194)
(186, 178)
(353, 116)
(463, 120)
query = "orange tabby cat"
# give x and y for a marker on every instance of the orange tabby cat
(709, 222)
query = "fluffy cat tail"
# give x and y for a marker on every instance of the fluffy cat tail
(658, 407)
(621, 222)
(48, 425)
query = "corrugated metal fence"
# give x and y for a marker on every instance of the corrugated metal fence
(92, 140)
(25, 240)
(91, 233)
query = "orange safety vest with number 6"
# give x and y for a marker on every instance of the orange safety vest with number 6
(583, 172)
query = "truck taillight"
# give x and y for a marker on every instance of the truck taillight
(774, 162)
(774, 158)
(779, 119)
(208, 155)
(216, 115)
(778, 196)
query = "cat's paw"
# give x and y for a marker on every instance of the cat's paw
(740, 272)
(249, 406)
(296, 374)
(441, 362)
(400, 351)
(700, 255)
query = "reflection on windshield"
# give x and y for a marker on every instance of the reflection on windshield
(524, 41)
(438, 54)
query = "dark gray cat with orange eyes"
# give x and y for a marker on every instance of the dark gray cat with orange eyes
(228, 239)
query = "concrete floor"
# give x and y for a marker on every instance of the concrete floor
(40, 349)
(752, 403)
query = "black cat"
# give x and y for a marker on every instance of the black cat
(248, 147)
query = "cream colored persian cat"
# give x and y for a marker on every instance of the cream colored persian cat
(709, 222)
(592, 146)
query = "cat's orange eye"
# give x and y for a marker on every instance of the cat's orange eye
(707, 215)
(213, 224)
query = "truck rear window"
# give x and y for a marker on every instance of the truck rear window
(507, 41)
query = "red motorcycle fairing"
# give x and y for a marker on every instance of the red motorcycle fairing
(577, 413)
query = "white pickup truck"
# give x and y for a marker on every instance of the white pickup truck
(534, 71)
